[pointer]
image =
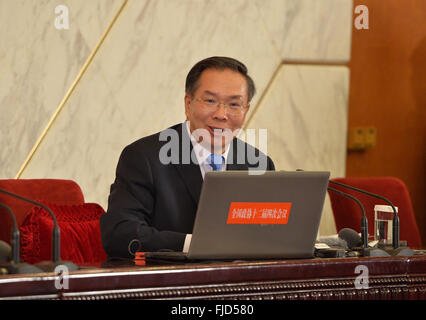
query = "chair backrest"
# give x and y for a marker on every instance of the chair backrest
(80, 234)
(58, 191)
(347, 213)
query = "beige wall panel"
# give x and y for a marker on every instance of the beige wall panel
(305, 113)
(309, 30)
(135, 85)
(38, 64)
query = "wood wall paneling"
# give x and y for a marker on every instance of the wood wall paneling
(388, 91)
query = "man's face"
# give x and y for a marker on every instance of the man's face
(217, 125)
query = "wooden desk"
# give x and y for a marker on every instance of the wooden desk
(388, 278)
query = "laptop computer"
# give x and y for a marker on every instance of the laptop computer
(245, 216)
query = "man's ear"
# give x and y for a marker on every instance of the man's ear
(187, 99)
(245, 113)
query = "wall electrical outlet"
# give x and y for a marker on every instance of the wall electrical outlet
(362, 138)
(370, 136)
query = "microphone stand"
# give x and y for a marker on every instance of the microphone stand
(16, 266)
(397, 250)
(56, 249)
(364, 221)
(366, 251)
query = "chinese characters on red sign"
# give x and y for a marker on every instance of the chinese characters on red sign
(259, 213)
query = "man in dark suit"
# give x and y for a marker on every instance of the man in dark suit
(154, 197)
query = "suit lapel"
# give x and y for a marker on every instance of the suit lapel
(189, 172)
(236, 160)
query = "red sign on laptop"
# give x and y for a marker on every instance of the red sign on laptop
(259, 213)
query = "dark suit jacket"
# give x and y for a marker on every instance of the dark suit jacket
(156, 203)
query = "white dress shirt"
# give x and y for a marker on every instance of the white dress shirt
(203, 156)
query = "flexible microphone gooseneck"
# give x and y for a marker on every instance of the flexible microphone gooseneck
(56, 243)
(395, 224)
(14, 238)
(352, 237)
(364, 221)
(56, 249)
(16, 266)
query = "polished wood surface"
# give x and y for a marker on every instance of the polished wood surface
(388, 91)
(388, 278)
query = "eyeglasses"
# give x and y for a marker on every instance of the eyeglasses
(234, 108)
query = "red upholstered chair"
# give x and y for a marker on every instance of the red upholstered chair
(347, 213)
(78, 221)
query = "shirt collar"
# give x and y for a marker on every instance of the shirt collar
(202, 153)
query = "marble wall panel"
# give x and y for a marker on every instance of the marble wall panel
(305, 113)
(135, 85)
(38, 65)
(309, 30)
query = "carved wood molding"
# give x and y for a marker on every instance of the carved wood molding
(389, 287)
(388, 278)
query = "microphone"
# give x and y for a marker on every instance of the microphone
(396, 249)
(7, 253)
(345, 236)
(335, 247)
(355, 243)
(56, 249)
(334, 241)
(349, 240)
(395, 224)
(364, 221)
(351, 237)
(343, 244)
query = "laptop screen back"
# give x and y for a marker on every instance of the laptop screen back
(273, 215)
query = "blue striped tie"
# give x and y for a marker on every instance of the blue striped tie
(216, 162)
